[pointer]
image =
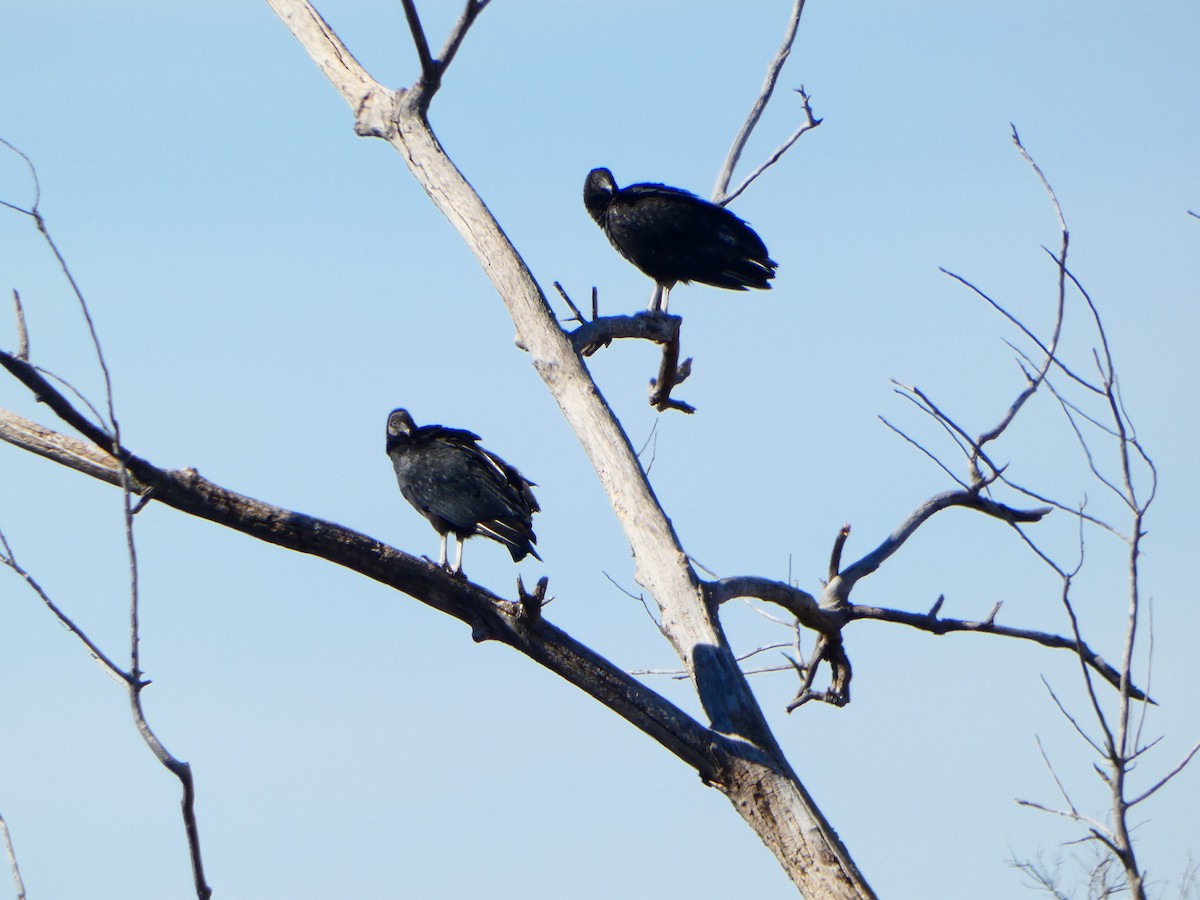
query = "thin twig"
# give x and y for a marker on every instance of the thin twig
(8, 558)
(577, 315)
(1070, 718)
(1153, 789)
(1053, 774)
(941, 465)
(1021, 327)
(1016, 139)
(810, 122)
(112, 443)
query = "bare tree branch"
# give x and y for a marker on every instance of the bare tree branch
(1053, 774)
(941, 465)
(1070, 718)
(8, 558)
(810, 122)
(1096, 827)
(661, 328)
(835, 556)
(432, 70)
(22, 332)
(799, 603)
(839, 588)
(428, 67)
(1154, 788)
(107, 439)
(12, 859)
(489, 616)
(1021, 327)
(472, 9)
(760, 104)
(931, 623)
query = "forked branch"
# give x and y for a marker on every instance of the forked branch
(721, 193)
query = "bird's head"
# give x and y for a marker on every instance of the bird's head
(400, 426)
(598, 192)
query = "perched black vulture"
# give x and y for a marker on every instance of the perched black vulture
(458, 486)
(675, 236)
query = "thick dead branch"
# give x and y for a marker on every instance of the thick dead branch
(597, 333)
(799, 603)
(490, 617)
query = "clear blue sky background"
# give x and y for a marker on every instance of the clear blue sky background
(268, 286)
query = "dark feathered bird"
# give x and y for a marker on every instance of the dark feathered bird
(461, 487)
(674, 236)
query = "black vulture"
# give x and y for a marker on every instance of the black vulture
(461, 487)
(674, 236)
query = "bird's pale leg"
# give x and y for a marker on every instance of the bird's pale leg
(657, 299)
(662, 296)
(460, 542)
(442, 560)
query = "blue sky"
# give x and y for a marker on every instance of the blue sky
(268, 286)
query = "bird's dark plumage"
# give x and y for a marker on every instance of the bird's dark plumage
(674, 236)
(461, 487)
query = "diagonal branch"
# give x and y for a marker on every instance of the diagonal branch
(461, 27)
(840, 587)
(8, 558)
(18, 883)
(371, 102)
(1051, 351)
(1022, 327)
(428, 67)
(760, 104)
(489, 616)
(1153, 789)
(932, 623)
(810, 122)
